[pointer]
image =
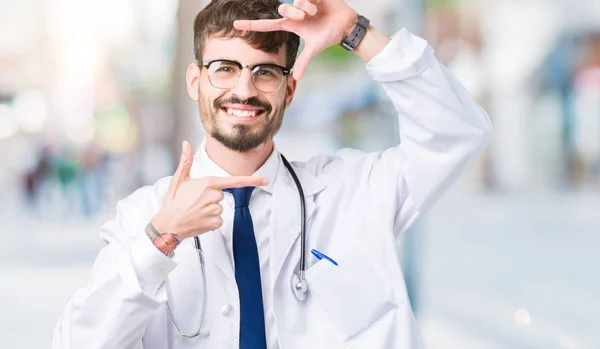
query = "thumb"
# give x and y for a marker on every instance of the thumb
(302, 62)
(183, 170)
(185, 163)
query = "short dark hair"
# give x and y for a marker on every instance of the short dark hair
(217, 19)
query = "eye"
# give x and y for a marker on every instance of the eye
(222, 67)
(265, 73)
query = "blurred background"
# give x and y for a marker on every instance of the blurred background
(93, 106)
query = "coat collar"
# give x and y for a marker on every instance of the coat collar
(204, 166)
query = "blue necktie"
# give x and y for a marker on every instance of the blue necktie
(247, 273)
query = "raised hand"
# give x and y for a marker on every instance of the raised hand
(321, 23)
(191, 206)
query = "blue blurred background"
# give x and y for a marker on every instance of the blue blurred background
(93, 106)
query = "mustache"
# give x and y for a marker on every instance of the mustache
(253, 101)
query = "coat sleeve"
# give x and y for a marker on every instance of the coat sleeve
(442, 130)
(125, 286)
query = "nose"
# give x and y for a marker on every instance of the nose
(244, 88)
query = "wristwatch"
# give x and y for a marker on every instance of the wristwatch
(357, 33)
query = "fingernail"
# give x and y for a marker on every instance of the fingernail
(265, 181)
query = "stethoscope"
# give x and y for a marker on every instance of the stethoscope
(298, 282)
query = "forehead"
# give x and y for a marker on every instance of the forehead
(238, 49)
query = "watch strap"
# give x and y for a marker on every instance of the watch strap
(357, 34)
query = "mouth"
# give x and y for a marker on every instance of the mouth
(243, 113)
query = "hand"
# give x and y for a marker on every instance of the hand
(191, 206)
(321, 23)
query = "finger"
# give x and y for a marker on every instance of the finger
(216, 222)
(302, 62)
(291, 12)
(212, 196)
(261, 25)
(183, 169)
(306, 6)
(235, 182)
(214, 209)
(185, 162)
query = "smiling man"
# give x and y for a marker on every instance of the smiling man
(240, 248)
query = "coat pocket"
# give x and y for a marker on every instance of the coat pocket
(355, 294)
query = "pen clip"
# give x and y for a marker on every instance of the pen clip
(321, 255)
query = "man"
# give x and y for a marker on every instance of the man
(238, 285)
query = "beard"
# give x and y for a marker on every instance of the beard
(242, 138)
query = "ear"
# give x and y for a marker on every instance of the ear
(291, 89)
(192, 77)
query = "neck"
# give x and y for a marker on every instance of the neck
(235, 163)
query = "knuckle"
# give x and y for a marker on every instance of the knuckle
(209, 182)
(183, 163)
(263, 25)
(213, 195)
(217, 222)
(205, 197)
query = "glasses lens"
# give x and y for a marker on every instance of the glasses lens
(267, 77)
(223, 74)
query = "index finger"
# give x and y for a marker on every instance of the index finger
(235, 182)
(259, 25)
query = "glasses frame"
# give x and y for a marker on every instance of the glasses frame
(284, 70)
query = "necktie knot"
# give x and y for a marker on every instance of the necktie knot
(241, 195)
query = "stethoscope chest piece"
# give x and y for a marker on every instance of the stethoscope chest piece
(299, 287)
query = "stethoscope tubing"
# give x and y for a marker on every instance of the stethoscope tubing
(198, 331)
(301, 264)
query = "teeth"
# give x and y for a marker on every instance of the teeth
(241, 113)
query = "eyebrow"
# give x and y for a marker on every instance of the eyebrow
(259, 63)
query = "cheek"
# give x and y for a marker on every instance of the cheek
(279, 100)
(207, 97)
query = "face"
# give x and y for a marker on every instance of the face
(241, 117)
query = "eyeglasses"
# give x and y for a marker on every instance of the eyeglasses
(225, 74)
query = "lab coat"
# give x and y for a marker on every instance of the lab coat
(357, 205)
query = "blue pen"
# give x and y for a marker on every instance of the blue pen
(320, 256)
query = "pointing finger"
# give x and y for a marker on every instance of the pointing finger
(235, 182)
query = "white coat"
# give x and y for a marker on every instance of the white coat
(357, 205)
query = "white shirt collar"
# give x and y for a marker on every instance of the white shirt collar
(204, 166)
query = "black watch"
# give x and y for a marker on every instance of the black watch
(357, 33)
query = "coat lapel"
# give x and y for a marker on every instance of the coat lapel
(213, 246)
(285, 215)
(214, 250)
